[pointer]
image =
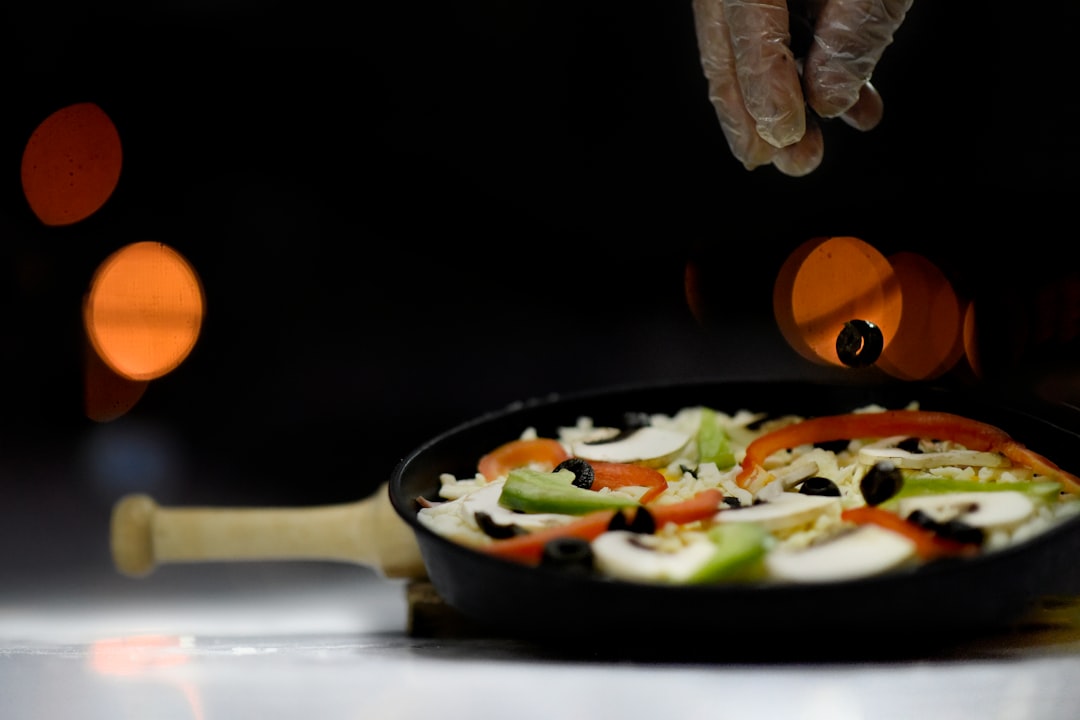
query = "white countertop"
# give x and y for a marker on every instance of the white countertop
(269, 640)
(218, 641)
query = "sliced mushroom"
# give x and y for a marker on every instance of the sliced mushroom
(652, 446)
(860, 552)
(486, 500)
(727, 552)
(598, 435)
(785, 510)
(982, 509)
(920, 461)
(795, 473)
(631, 556)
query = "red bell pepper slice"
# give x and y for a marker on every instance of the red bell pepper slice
(702, 506)
(928, 545)
(547, 453)
(529, 548)
(544, 452)
(972, 434)
(618, 475)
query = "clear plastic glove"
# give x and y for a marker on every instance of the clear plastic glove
(761, 91)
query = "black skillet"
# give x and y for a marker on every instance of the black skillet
(954, 599)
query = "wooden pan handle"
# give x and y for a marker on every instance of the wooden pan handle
(367, 532)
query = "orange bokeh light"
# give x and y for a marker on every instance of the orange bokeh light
(827, 282)
(144, 310)
(107, 396)
(71, 164)
(929, 340)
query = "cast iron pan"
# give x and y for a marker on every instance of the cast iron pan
(944, 601)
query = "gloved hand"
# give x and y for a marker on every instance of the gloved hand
(761, 90)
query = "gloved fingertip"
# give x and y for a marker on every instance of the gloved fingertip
(781, 134)
(803, 157)
(793, 167)
(782, 124)
(751, 151)
(831, 97)
(754, 163)
(832, 105)
(867, 111)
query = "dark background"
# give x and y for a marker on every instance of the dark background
(475, 203)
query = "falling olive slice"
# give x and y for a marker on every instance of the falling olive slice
(859, 343)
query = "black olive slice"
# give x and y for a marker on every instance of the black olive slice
(496, 531)
(859, 343)
(642, 522)
(833, 446)
(956, 530)
(910, 445)
(618, 522)
(922, 519)
(583, 471)
(881, 482)
(569, 554)
(818, 485)
(961, 532)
